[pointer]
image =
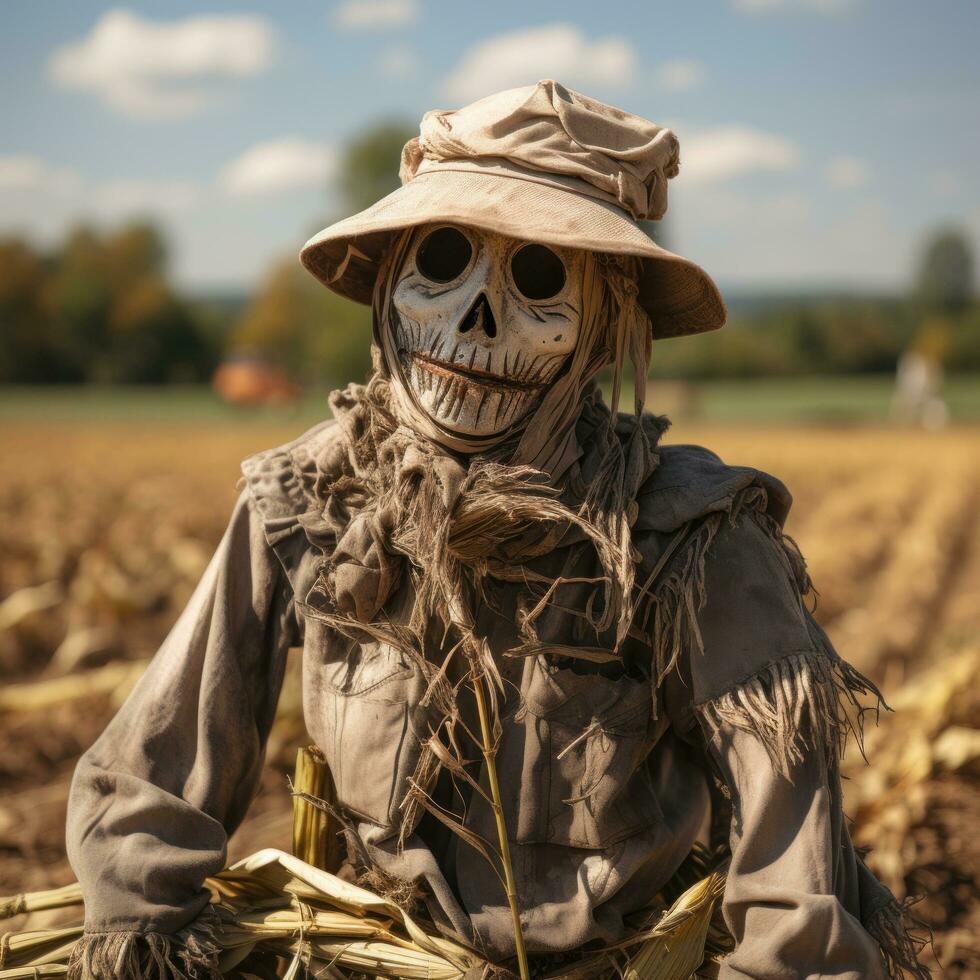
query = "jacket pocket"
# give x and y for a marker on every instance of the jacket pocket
(586, 739)
(361, 710)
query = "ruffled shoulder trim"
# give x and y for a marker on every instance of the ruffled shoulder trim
(288, 487)
(282, 481)
(726, 594)
(692, 482)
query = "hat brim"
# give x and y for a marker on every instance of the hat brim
(679, 297)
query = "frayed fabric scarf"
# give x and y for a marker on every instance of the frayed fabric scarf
(419, 499)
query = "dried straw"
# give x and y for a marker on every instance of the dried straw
(676, 944)
(313, 841)
(115, 678)
(280, 904)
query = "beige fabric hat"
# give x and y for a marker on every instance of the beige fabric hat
(539, 163)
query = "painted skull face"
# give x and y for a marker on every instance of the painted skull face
(484, 324)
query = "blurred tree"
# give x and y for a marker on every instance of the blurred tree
(946, 273)
(369, 165)
(275, 324)
(798, 338)
(24, 334)
(317, 336)
(133, 252)
(963, 351)
(155, 339)
(79, 298)
(98, 309)
(862, 337)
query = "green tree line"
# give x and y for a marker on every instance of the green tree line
(100, 308)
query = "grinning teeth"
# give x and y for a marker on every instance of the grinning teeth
(460, 397)
(465, 392)
(452, 388)
(480, 404)
(442, 391)
(500, 407)
(453, 396)
(444, 405)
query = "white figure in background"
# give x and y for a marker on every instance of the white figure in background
(918, 396)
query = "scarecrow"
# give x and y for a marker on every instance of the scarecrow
(532, 635)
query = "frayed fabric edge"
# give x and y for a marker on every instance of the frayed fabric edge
(675, 599)
(191, 954)
(804, 702)
(896, 932)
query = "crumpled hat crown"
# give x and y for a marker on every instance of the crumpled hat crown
(550, 134)
(540, 164)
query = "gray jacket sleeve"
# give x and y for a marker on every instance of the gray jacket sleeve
(154, 799)
(773, 700)
(792, 900)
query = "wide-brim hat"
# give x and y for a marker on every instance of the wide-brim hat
(543, 164)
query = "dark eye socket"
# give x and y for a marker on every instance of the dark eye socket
(444, 254)
(538, 273)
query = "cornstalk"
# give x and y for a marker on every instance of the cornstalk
(312, 837)
(490, 757)
(463, 622)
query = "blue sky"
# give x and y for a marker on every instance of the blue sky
(821, 140)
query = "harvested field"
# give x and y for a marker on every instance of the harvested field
(104, 530)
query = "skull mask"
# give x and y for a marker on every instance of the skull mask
(484, 324)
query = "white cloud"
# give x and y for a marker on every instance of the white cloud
(824, 7)
(41, 200)
(277, 166)
(560, 51)
(399, 61)
(372, 15)
(23, 173)
(31, 180)
(163, 69)
(127, 197)
(846, 173)
(733, 151)
(681, 74)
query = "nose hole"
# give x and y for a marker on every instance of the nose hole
(479, 316)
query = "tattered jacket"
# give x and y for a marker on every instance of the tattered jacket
(607, 769)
